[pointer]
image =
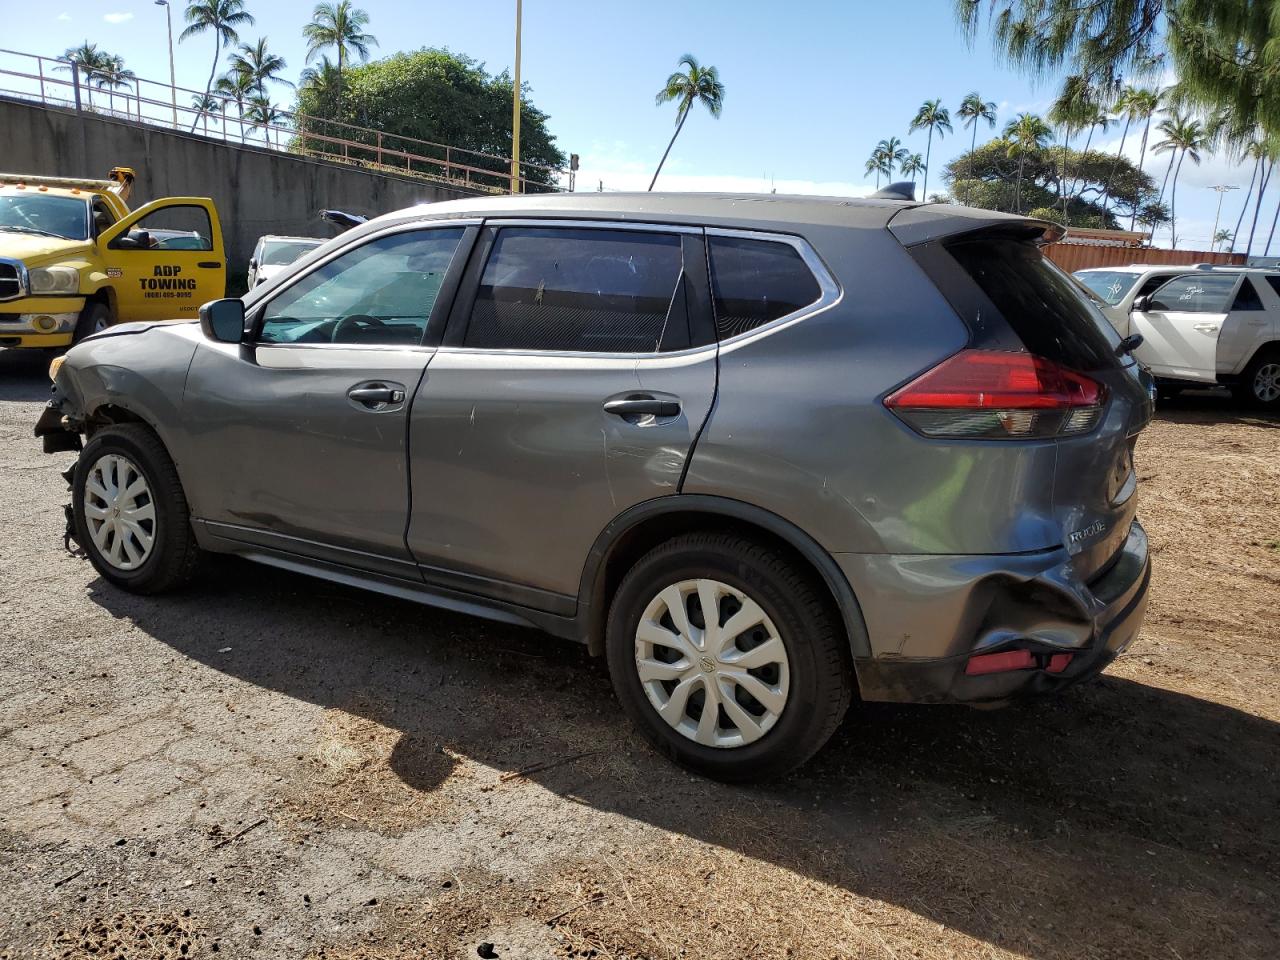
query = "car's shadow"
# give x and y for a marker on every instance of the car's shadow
(1120, 820)
(24, 375)
(1209, 406)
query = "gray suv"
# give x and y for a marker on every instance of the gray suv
(765, 454)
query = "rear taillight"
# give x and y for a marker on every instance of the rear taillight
(994, 395)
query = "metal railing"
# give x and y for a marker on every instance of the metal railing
(55, 82)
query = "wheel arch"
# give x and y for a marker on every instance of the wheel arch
(105, 295)
(645, 525)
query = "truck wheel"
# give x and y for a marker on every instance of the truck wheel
(1259, 386)
(727, 657)
(131, 515)
(94, 318)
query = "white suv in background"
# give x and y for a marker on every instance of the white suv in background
(1209, 325)
(272, 254)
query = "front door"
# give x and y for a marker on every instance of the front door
(1181, 325)
(300, 434)
(577, 369)
(166, 259)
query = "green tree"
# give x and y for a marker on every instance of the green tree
(88, 61)
(222, 17)
(341, 26)
(1184, 137)
(931, 116)
(694, 84)
(1144, 103)
(1025, 135)
(887, 155)
(912, 165)
(437, 96)
(261, 112)
(112, 76)
(1224, 52)
(207, 107)
(1223, 236)
(323, 80)
(260, 64)
(1132, 104)
(235, 86)
(876, 164)
(972, 109)
(1074, 109)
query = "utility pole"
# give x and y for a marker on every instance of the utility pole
(515, 113)
(173, 83)
(1222, 188)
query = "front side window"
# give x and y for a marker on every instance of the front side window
(382, 292)
(169, 228)
(756, 281)
(1201, 293)
(44, 216)
(578, 290)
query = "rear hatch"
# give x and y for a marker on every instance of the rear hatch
(1015, 300)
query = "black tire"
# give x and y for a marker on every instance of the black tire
(174, 554)
(93, 318)
(1260, 392)
(820, 686)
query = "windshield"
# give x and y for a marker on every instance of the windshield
(277, 254)
(46, 216)
(1109, 285)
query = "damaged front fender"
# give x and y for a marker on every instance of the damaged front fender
(58, 429)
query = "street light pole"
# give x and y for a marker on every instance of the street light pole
(173, 83)
(515, 113)
(1222, 188)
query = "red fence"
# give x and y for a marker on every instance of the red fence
(1080, 256)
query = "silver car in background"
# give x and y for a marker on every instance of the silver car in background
(272, 254)
(764, 453)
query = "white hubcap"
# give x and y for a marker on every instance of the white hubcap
(120, 512)
(711, 663)
(1266, 382)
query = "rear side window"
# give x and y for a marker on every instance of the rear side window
(1038, 301)
(756, 281)
(1275, 283)
(580, 290)
(1247, 298)
(1200, 293)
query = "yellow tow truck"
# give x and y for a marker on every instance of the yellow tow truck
(74, 259)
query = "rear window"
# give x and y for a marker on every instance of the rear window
(757, 281)
(1039, 302)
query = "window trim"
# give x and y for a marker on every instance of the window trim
(830, 293)
(460, 316)
(439, 311)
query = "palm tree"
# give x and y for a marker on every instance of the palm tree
(892, 154)
(913, 164)
(1184, 137)
(1250, 151)
(972, 109)
(695, 84)
(931, 116)
(263, 113)
(258, 63)
(324, 78)
(222, 17)
(1127, 106)
(341, 26)
(206, 105)
(1075, 108)
(113, 76)
(236, 87)
(1222, 236)
(1025, 135)
(1144, 104)
(88, 61)
(878, 164)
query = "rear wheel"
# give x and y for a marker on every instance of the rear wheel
(727, 656)
(94, 318)
(1259, 386)
(131, 515)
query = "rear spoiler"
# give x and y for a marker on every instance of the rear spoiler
(941, 221)
(119, 181)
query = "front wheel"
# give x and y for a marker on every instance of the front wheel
(1259, 387)
(94, 318)
(131, 515)
(727, 657)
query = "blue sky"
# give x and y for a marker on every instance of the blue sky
(810, 86)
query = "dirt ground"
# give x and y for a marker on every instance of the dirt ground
(270, 766)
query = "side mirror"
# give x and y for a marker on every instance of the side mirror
(253, 264)
(133, 240)
(223, 320)
(1142, 303)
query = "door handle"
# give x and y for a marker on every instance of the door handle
(1206, 327)
(372, 395)
(643, 406)
(210, 264)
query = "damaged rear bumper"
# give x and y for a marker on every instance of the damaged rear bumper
(930, 617)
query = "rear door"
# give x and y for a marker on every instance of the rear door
(166, 259)
(577, 369)
(1181, 325)
(299, 434)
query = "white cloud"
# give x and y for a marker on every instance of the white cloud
(117, 17)
(64, 16)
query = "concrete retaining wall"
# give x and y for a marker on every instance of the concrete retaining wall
(256, 190)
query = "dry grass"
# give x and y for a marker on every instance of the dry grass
(134, 935)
